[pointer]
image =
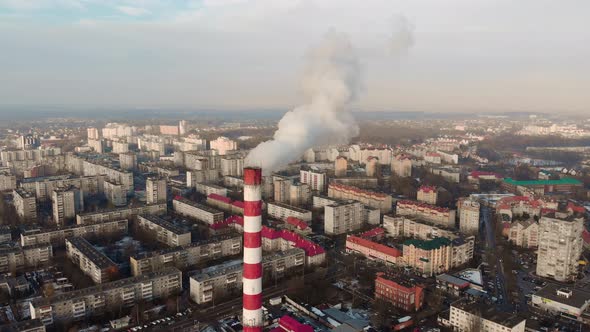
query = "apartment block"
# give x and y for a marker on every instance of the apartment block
(25, 204)
(427, 194)
(438, 255)
(186, 256)
(315, 179)
(7, 181)
(128, 161)
(44, 186)
(560, 246)
(90, 167)
(524, 233)
(127, 212)
(164, 231)
(400, 226)
(156, 190)
(299, 194)
(343, 217)
(373, 250)
(373, 199)
(438, 215)
(210, 188)
(65, 203)
(115, 193)
(226, 279)
(282, 211)
(465, 316)
(57, 236)
(232, 166)
(92, 262)
(16, 258)
(93, 301)
(197, 211)
(468, 215)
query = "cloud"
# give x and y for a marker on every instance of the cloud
(133, 11)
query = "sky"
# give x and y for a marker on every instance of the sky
(466, 56)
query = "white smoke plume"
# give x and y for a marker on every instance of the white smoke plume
(330, 83)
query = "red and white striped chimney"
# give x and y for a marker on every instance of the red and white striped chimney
(252, 319)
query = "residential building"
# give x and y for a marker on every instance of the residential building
(128, 161)
(373, 199)
(373, 167)
(25, 204)
(7, 181)
(127, 212)
(343, 217)
(209, 188)
(223, 145)
(155, 190)
(438, 255)
(93, 133)
(299, 194)
(468, 215)
(401, 293)
(314, 178)
(282, 211)
(164, 231)
(96, 300)
(92, 262)
(29, 325)
(560, 246)
(524, 233)
(197, 211)
(401, 166)
(186, 256)
(96, 144)
(340, 166)
(44, 186)
(415, 228)
(15, 258)
(225, 280)
(232, 166)
(427, 194)
(274, 239)
(201, 176)
(82, 166)
(465, 316)
(115, 193)
(282, 189)
(120, 147)
(438, 215)
(57, 236)
(65, 203)
(542, 186)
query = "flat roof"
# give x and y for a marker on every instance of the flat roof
(165, 251)
(290, 207)
(489, 313)
(165, 224)
(203, 207)
(98, 258)
(578, 297)
(571, 181)
(104, 287)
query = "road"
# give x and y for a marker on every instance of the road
(500, 280)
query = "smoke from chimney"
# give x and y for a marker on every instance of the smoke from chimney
(331, 82)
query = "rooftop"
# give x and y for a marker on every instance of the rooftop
(489, 313)
(435, 243)
(95, 256)
(165, 224)
(578, 297)
(290, 207)
(197, 205)
(562, 181)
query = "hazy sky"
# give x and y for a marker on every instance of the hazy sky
(468, 55)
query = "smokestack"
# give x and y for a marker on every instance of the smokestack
(252, 319)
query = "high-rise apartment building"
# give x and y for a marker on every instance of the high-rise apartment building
(65, 203)
(156, 190)
(468, 216)
(343, 217)
(315, 179)
(232, 166)
(340, 166)
(427, 194)
(128, 161)
(93, 133)
(560, 246)
(223, 145)
(299, 194)
(25, 204)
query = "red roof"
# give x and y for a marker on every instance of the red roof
(238, 204)
(374, 246)
(423, 205)
(586, 236)
(576, 208)
(372, 233)
(219, 198)
(290, 324)
(238, 220)
(302, 225)
(310, 248)
(427, 189)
